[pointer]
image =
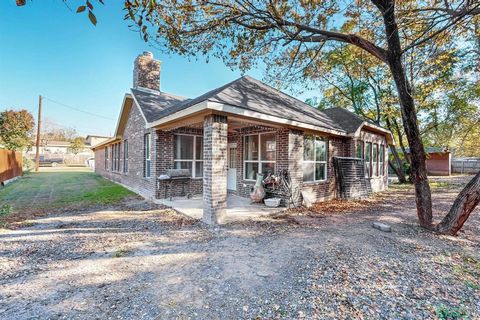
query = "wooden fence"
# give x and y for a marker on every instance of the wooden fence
(10, 164)
(466, 166)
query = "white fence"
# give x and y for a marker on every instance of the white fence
(465, 165)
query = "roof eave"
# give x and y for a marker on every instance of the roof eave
(207, 105)
(376, 128)
(104, 143)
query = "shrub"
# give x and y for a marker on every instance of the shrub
(5, 209)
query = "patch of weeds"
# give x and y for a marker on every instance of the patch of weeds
(401, 186)
(120, 253)
(436, 185)
(450, 313)
(5, 209)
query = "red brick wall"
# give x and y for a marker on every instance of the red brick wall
(134, 133)
(289, 155)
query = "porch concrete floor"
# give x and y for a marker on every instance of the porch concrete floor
(238, 208)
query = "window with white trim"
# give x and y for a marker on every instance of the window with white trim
(112, 157)
(375, 159)
(259, 154)
(368, 159)
(360, 149)
(381, 162)
(125, 156)
(106, 158)
(146, 156)
(314, 158)
(188, 154)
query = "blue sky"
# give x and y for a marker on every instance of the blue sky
(48, 49)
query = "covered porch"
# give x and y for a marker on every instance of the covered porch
(224, 153)
(238, 208)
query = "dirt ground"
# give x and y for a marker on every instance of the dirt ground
(134, 261)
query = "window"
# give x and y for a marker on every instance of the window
(359, 151)
(125, 156)
(114, 157)
(119, 155)
(146, 156)
(106, 158)
(381, 162)
(375, 159)
(260, 155)
(368, 159)
(188, 154)
(112, 154)
(314, 159)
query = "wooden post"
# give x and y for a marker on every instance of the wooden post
(39, 119)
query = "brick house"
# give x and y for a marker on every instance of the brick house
(225, 136)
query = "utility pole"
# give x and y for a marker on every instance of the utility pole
(39, 119)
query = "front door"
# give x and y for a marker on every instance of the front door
(232, 166)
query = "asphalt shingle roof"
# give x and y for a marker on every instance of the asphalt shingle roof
(154, 105)
(250, 94)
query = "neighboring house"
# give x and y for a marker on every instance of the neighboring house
(225, 136)
(60, 151)
(51, 147)
(439, 161)
(92, 140)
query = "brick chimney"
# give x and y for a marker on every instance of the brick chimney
(146, 72)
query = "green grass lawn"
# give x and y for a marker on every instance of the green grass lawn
(57, 189)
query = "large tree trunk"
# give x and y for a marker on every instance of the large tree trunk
(419, 170)
(464, 204)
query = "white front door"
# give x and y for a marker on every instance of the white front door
(232, 166)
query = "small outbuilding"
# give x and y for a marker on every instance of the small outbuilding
(439, 161)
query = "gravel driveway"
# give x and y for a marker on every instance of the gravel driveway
(137, 262)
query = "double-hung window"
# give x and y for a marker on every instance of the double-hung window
(119, 155)
(314, 158)
(360, 149)
(375, 159)
(116, 157)
(381, 162)
(260, 154)
(125, 156)
(146, 155)
(106, 158)
(368, 159)
(112, 157)
(188, 154)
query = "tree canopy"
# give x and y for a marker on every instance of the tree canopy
(16, 128)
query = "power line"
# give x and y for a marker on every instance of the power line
(77, 109)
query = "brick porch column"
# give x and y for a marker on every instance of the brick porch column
(295, 161)
(214, 168)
